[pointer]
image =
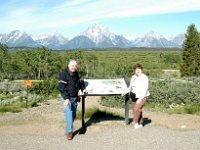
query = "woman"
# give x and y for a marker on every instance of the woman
(138, 93)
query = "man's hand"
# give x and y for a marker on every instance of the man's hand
(67, 102)
(85, 92)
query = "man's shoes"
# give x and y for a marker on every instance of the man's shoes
(70, 135)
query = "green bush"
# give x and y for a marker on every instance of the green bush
(168, 92)
(172, 95)
(15, 96)
(8, 86)
(113, 101)
(45, 88)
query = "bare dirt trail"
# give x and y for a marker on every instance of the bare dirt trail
(48, 119)
(43, 127)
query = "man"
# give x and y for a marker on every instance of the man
(69, 85)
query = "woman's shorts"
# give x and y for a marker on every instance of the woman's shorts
(133, 97)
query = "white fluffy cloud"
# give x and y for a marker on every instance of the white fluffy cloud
(74, 12)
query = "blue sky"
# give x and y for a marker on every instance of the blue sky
(131, 18)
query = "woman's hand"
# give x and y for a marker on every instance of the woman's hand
(123, 94)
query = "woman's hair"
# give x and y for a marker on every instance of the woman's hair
(138, 66)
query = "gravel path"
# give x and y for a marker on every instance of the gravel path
(148, 138)
(42, 128)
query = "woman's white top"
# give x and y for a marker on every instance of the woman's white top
(140, 86)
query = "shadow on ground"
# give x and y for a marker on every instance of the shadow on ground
(97, 117)
(146, 121)
(100, 116)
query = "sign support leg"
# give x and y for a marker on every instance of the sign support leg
(82, 131)
(126, 110)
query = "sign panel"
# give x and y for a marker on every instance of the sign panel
(105, 86)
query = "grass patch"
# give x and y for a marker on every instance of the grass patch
(187, 109)
(174, 109)
(14, 109)
(96, 113)
(29, 104)
(88, 113)
(155, 107)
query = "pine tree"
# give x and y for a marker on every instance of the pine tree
(4, 61)
(191, 53)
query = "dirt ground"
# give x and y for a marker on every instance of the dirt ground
(48, 119)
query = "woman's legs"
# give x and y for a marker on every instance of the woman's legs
(140, 121)
(137, 110)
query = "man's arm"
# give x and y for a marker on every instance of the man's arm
(82, 85)
(62, 86)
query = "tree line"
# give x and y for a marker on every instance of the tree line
(42, 64)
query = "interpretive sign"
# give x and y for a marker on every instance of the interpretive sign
(105, 86)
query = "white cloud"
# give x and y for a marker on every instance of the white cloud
(84, 11)
(75, 12)
(72, 3)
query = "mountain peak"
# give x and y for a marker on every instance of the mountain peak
(56, 34)
(15, 31)
(97, 33)
(59, 37)
(155, 35)
(179, 39)
(15, 35)
(97, 29)
(155, 40)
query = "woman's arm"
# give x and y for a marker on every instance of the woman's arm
(144, 87)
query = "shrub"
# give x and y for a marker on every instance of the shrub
(15, 96)
(167, 94)
(7, 87)
(113, 101)
(45, 88)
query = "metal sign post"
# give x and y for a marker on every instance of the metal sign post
(126, 109)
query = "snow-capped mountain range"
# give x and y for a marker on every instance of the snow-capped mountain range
(97, 36)
(155, 40)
